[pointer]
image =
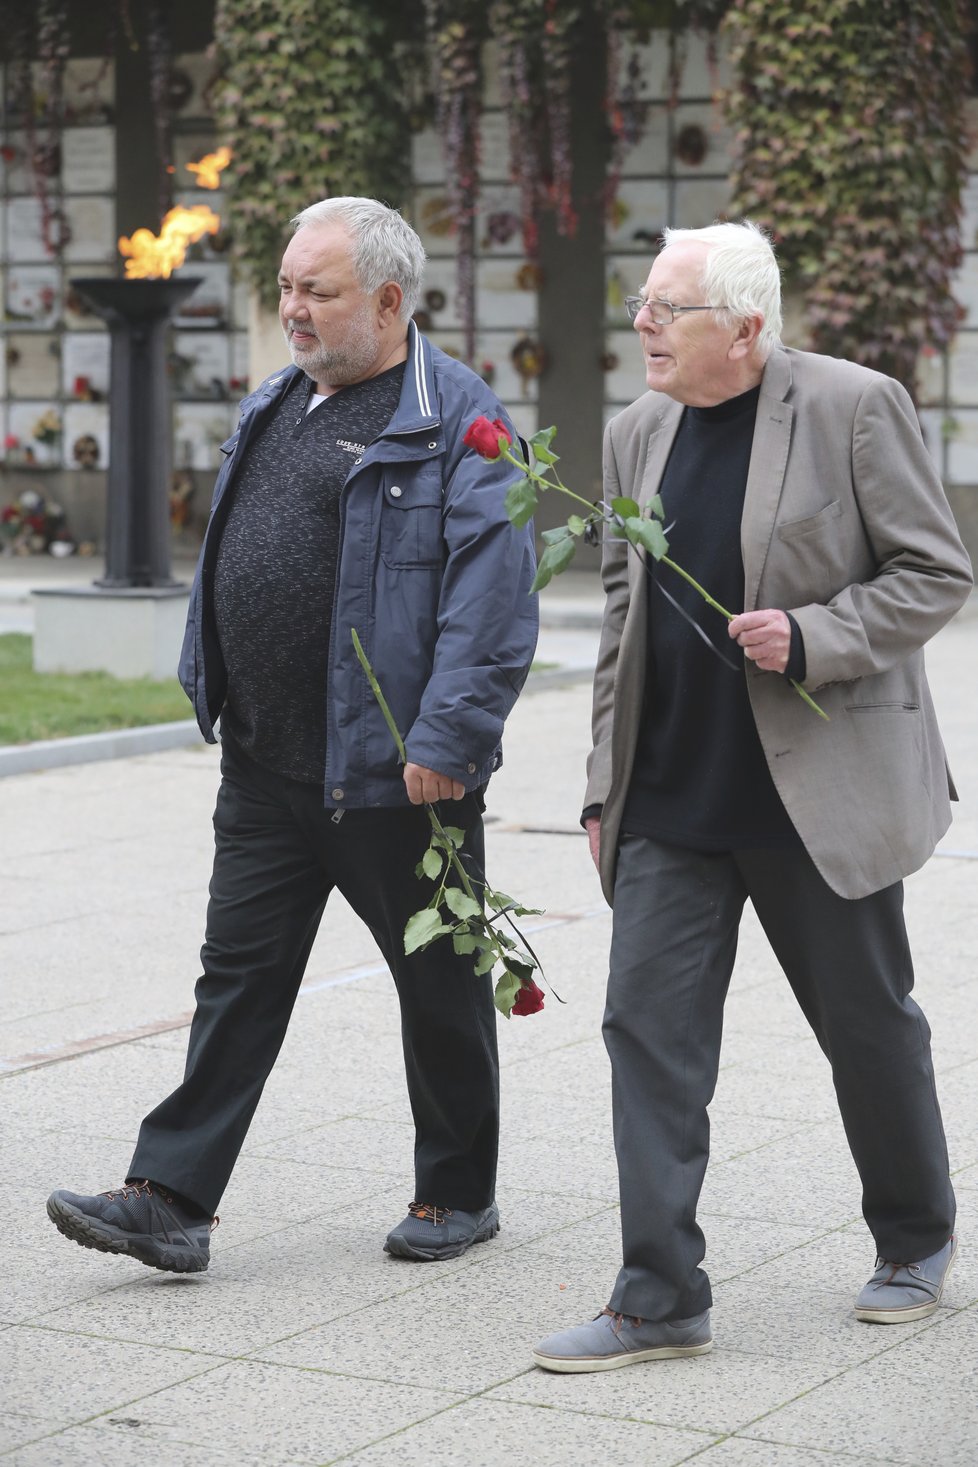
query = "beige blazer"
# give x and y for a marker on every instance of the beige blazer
(846, 526)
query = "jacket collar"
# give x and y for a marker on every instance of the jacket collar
(418, 405)
(776, 381)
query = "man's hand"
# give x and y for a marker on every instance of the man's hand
(593, 827)
(425, 786)
(765, 637)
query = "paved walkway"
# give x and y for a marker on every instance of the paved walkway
(306, 1344)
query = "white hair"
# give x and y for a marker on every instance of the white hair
(741, 274)
(383, 245)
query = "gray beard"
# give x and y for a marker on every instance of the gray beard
(339, 366)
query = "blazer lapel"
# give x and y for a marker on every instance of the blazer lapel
(765, 476)
(657, 452)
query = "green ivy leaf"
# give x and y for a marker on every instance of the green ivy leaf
(655, 507)
(627, 508)
(463, 943)
(432, 863)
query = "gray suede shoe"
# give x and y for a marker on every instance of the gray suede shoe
(612, 1340)
(429, 1233)
(900, 1292)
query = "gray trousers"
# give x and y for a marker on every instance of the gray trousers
(677, 914)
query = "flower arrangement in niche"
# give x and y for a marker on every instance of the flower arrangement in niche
(623, 518)
(47, 429)
(469, 913)
(31, 524)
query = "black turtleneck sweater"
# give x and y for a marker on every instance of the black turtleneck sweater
(700, 778)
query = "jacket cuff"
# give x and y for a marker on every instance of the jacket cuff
(797, 662)
(590, 812)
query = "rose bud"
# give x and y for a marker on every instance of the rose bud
(484, 437)
(529, 1000)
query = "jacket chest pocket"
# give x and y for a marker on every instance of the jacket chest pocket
(410, 523)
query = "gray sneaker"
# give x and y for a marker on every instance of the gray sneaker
(612, 1340)
(139, 1219)
(429, 1233)
(899, 1292)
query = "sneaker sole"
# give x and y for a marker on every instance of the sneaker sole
(400, 1249)
(913, 1311)
(579, 1365)
(104, 1238)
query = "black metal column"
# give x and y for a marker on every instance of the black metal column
(137, 529)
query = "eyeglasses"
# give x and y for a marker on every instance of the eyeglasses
(663, 313)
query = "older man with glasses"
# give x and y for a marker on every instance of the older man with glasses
(797, 487)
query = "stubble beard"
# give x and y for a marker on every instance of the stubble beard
(342, 364)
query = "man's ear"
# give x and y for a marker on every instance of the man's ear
(748, 330)
(389, 302)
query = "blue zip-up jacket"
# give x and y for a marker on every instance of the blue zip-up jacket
(431, 574)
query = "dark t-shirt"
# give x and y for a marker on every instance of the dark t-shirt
(701, 779)
(276, 570)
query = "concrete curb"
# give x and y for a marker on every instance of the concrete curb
(117, 743)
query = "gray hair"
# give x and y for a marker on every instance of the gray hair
(740, 273)
(383, 245)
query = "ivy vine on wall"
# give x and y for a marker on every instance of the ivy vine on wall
(852, 148)
(455, 31)
(313, 100)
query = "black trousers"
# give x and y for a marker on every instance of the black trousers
(278, 855)
(677, 914)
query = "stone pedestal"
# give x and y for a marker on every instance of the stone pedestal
(125, 631)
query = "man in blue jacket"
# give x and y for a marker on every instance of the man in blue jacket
(347, 500)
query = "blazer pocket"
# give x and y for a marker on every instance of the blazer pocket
(811, 523)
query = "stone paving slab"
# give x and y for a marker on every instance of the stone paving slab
(304, 1343)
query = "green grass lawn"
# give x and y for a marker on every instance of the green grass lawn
(53, 705)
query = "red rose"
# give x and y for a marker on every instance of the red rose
(529, 1000)
(484, 437)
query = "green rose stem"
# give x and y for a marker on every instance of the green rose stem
(503, 949)
(608, 516)
(436, 824)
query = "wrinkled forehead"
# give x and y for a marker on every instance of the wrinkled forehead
(677, 273)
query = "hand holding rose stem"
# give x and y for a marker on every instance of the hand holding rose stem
(623, 516)
(472, 929)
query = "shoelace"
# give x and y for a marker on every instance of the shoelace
(133, 1190)
(894, 1268)
(426, 1213)
(619, 1319)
